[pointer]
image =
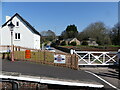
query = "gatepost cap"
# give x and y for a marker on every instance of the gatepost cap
(118, 50)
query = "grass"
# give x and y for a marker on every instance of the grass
(93, 46)
(35, 56)
(114, 45)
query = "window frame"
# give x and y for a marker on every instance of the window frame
(17, 24)
(17, 36)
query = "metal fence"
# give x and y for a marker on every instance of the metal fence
(39, 56)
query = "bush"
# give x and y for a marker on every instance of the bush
(57, 42)
(84, 43)
(63, 43)
(45, 44)
(53, 44)
(73, 43)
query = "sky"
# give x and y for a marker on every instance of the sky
(56, 16)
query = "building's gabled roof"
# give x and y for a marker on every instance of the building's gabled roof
(32, 28)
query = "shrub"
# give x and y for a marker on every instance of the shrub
(45, 44)
(63, 43)
(73, 43)
(84, 43)
(53, 44)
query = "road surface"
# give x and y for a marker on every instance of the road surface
(29, 68)
(108, 74)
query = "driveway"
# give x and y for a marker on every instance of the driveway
(58, 51)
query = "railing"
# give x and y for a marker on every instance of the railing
(4, 48)
(96, 57)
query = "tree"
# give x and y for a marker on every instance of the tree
(43, 33)
(70, 32)
(115, 34)
(64, 35)
(97, 31)
(49, 35)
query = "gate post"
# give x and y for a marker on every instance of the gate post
(12, 53)
(71, 51)
(76, 62)
(44, 57)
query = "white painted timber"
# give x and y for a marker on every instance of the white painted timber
(96, 57)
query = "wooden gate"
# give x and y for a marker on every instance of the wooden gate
(96, 57)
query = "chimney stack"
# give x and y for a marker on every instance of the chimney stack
(7, 18)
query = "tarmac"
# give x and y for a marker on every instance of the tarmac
(107, 73)
(42, 70)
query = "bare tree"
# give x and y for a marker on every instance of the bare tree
(115, 34)
(97, 31)
(48, 35)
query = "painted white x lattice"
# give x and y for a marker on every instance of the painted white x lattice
(90, 57)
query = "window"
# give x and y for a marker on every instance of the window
(17, 35)
(17, 23)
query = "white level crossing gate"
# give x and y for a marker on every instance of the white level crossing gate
(96, 57)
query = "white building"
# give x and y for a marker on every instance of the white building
(23, 35)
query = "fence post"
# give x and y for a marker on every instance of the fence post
(19, 48)
(8, 54)
(71, 61)
(44, 57)
(12, 53)
(71, 51)
(76, 62)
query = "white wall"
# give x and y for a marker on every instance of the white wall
(36, 41)
(27, 36)
(5, 36)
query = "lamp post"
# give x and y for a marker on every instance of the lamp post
(11, 26)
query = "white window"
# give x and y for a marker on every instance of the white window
(17, 36)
